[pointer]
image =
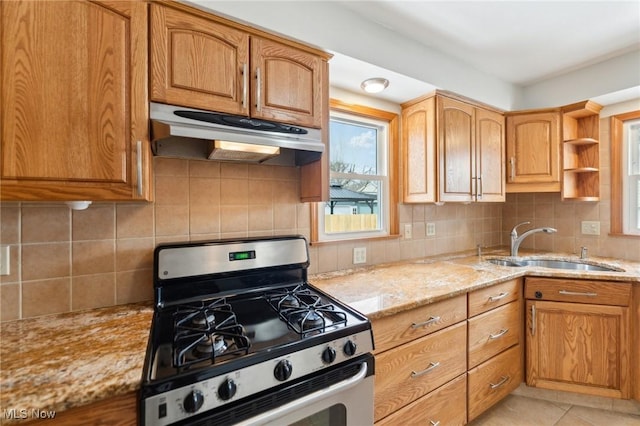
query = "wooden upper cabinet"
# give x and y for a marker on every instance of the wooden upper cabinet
(74, 101)
(202, 61)
(419, 151)
(288, 84)
(490, 155)
(456, 151)
(533, 151)
(470, 151)
(464, 139)
(196, 62)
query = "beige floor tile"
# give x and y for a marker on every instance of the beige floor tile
(585, 416)
(521, 411)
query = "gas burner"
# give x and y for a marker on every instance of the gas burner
(304, 310)
(212, 344)
(296, 297)
(204, 320)
(288, 301)
(204, 316)
(311, 320)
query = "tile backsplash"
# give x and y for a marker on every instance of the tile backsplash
(63, 260)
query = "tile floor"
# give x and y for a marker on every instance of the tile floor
(518, 410)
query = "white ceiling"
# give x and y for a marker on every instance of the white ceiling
(521, 42)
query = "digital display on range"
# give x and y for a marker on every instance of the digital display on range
(242, 255)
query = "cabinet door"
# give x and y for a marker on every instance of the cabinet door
(74, 101)
(199, 63)
(578, 348)
(419, 151)
(456, 151)
(288, 84)
(490, 152)
(533, 152)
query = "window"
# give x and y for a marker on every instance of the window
(625, 174)
(362, 188)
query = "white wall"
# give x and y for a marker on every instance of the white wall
(613, 75)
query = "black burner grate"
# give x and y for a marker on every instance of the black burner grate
(304, 311)
(206, 332)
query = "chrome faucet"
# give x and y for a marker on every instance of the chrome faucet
(517, 240)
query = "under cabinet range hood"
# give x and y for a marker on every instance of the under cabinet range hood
(196, 134)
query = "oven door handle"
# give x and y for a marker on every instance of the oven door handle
(309, 399)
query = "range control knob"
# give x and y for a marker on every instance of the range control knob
(328, 355)
(227, 389)
(193, 401)
(283, 370)
(349, 348)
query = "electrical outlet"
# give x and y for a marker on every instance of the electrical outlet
(5, 260)
(408, 231)
(431, 229)
(590, 227)
(359, 255)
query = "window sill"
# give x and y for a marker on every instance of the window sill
(350, 240)
(620, 234)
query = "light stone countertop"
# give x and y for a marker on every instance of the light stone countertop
(383, 290)
(58, 362)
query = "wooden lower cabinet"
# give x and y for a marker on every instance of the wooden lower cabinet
(117, 411)
(492, 380)
(578, 336)
(446, 405)
(411, 371)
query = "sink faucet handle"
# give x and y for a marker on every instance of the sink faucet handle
(514, 232)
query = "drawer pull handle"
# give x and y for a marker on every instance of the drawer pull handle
(431, 366)
(578, 293)
(432, 423)
(498, 334)
(503, 380)
(431, 320)
(498, 297)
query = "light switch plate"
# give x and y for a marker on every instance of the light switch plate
(590, 227)
(408, 231)
(5, 260)
(359, 255)
(431, 229)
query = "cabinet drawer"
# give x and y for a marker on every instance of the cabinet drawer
(406, 326)
(491, 297)
(493, 332)
(410, 371)
(446, 405)
(493, 380)
(578, 291)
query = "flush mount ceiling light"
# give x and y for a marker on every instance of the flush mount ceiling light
(374, 85)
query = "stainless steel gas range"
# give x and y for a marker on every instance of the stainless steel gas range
(240, 337)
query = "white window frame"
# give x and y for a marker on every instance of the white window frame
(383, 177)
(630, 183)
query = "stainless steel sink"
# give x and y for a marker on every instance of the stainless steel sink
(556, 264)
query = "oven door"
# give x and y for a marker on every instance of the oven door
(349, 402)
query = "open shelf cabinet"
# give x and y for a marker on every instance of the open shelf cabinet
(581, 151)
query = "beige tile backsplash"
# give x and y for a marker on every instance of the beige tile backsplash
(63, 260)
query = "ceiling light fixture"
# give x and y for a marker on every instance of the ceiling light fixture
(374, 85)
